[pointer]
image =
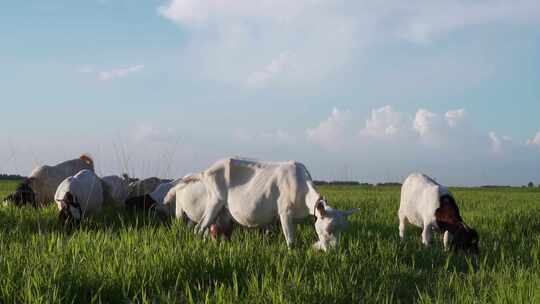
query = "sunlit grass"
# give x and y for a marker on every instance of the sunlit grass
(134, 258)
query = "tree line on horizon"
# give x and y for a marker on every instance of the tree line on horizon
(4, 176)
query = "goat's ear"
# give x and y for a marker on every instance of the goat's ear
(61, 205)
(319, 206)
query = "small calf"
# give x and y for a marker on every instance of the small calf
(330, 222)
(426, 204)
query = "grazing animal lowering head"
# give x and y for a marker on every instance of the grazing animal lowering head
(448, 218)
(329, 224)
(465, 239)
(70, 210)
(319, 207)
(23, 194)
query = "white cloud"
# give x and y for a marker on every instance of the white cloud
(256, 43)
(119, 73)
(422, 22)
(86, 69)
(232, 41)
(535, 140)
(386, 122)
(269, 137)
(498, 143)
(330, 132)
(426, 122)
(203, 12)
(284, 63)
(454, 117)
(148, 133)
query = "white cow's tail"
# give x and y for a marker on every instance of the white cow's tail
(305, 171)
(186, 180)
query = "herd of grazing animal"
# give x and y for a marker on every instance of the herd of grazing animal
(237, 191)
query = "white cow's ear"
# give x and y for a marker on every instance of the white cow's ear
(319, 208)
(61, 205)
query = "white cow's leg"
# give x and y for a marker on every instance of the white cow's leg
(288, 227)
(185, 219)
(427, 234)
(447, 238)
(402, 224)
(209, 216)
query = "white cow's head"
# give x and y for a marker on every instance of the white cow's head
(330, 223)
(70, 210)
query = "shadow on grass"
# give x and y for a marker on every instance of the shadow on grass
(28, 220)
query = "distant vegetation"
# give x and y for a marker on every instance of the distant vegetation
(340, 183)
(355, 183)
(11, 177)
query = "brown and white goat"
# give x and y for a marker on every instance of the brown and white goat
(428, 205)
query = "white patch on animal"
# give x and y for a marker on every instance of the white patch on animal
(87, 192)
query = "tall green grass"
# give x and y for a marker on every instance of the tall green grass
(132, 258)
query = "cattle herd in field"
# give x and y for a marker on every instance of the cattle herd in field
(236, 191)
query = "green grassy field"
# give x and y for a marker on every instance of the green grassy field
(123, 258)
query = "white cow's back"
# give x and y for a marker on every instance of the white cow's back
(420, 197)
(45, 179)
(257, 191)
(158, 195)
(85, 187)
(117, 187)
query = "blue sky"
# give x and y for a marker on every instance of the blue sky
(365, 90)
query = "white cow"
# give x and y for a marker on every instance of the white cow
(426, 204)
(78, 196)
(116, 189)
(258, 193)
(39, 187)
